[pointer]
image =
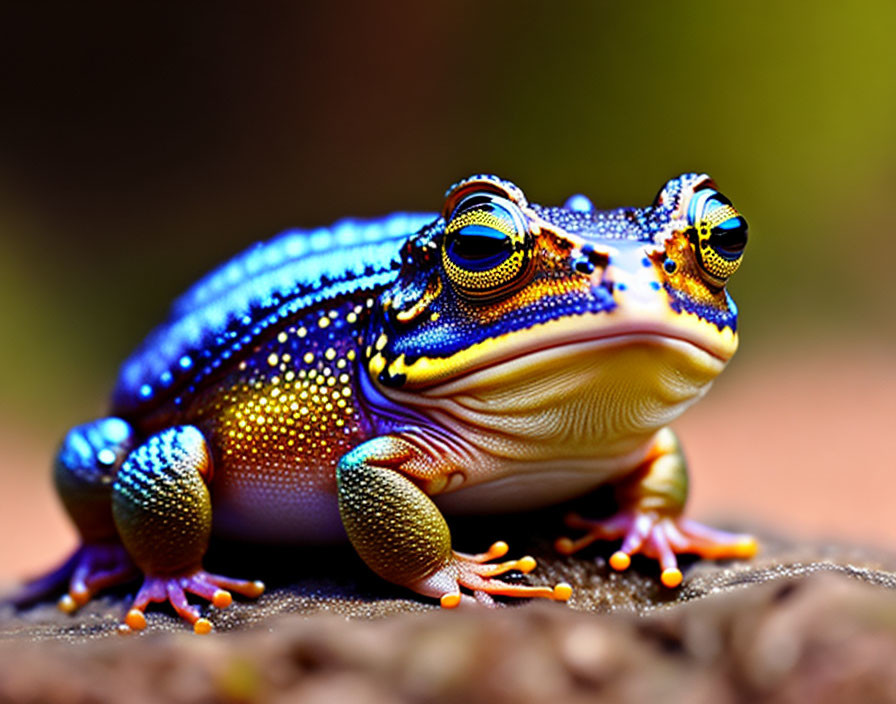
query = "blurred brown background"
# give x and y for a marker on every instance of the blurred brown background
(141, 145)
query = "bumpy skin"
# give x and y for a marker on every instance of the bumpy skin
(361, 379)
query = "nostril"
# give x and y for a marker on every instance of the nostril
(583, 266)
(589, 260)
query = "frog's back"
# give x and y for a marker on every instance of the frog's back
(230, 310)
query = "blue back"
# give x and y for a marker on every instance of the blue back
(233, 305)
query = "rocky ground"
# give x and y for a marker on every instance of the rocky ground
(798, 623)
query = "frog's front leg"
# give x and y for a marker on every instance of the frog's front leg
(401, 534)
(651, 500)
(162, 509)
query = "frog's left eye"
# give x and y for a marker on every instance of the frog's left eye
(487, 245)
(718, 233)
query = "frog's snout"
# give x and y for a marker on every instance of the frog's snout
(632, 277)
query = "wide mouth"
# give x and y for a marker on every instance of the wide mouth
(696, 358)
(550, 342)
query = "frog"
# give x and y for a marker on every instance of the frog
(362, 381)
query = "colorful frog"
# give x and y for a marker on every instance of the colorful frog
(360, 380)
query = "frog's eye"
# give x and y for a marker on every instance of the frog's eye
(718, 233)
(487, 245)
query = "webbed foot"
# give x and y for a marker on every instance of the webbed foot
(477, 573)
(90, 569)
(657, 536)
(174, 589)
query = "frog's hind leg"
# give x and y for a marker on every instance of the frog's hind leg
(649, 520)
(83, 472)
(401, 534)
(162, 508)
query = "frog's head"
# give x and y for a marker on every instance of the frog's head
(500, 293)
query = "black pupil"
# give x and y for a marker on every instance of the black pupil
(729, 238)
(479, 247)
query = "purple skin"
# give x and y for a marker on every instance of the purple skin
(95, 566)
(91, 568)
(656, 536)
(212, 587)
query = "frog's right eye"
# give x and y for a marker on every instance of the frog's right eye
(718, 234)
(487, 246)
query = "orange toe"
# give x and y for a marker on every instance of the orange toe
(620, 561)
(135, 620)
(450, 601)
(671, 577)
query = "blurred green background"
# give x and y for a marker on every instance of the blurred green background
(141, 145)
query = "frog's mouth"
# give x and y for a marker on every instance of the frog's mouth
(639, 350)
(701, 346)
(604, 391)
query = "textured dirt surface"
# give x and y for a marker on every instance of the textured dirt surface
(798, 623)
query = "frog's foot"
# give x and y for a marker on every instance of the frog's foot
(90, 569)
(215, 588)
(657, 536)
(477, 573)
